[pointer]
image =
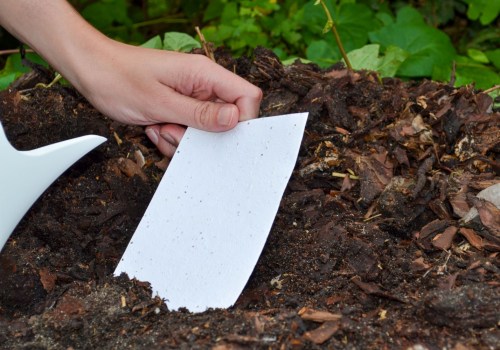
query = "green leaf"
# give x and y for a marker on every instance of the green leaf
(365, 57)
(390, 63)
(353, 22)
(478, 56)
(278, 51)
(218, 35)
(106, 13)
(182, 42)
(484, 10)
(427, 47)
(468, 71)
(157, 8)
(154, 43)
(15, 64)
(230, 12)
(385, 18)
(213, 10)
(14, 68)
(409, 15)
(368, 57)
(7, 78)
(322, 53)
(291, 60)
(494, 57)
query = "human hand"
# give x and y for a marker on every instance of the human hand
(162, 89)
(167, 91)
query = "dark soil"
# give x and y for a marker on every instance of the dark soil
(367, 250)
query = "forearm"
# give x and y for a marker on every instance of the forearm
(54, 30)
(172, 88)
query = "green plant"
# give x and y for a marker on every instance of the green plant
(173, 41)
(330, 25)
(426, 39)
(426, 47)
(14, 68)
(134, 21)
(483, 10)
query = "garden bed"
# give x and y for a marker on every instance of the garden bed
(367, 249)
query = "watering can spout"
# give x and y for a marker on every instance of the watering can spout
(24, 175)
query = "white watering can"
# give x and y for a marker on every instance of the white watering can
(25, 175)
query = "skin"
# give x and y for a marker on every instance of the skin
(165, 91)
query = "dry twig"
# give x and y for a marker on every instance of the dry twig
(208, 51)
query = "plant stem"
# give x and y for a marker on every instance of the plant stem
(162, 20)
(336, 34)
(12, 51)
(494, 88)
(208, 51)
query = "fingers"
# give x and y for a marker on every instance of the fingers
(204, 115)
(203, 79)
(166, 137)
(183, 89)
(153, 132)
(172, 133)
(231, 88)
(249, 105)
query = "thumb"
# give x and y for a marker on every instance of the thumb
(203, 115)
(214, 116)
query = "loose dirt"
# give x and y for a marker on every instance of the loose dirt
(368, 250)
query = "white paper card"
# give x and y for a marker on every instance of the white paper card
(209, 219)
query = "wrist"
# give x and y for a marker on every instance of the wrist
(54, 30)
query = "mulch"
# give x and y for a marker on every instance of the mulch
(369, 249)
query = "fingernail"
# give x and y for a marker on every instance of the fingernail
(167, 137)
(225, 116)
(153, 135)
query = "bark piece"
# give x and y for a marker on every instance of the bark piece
(489, 215)
(48, 279)
(309, 314)
(375, 172)
(322, 333)
(443, 240)
(491, 194)
(472, 237)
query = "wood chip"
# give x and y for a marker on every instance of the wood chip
(334, 299)
(117, 138)
(448, 282)
(241, 339)
(130, 168)
(419, 264)
(374, 289)
(431, 227)
(139, 158)
(48, 279)
(337, 74)
(68, 305)
(317, 315)
(443, 240)
(322, 333)
(472, 237)
(489, 215)
(163, 164)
